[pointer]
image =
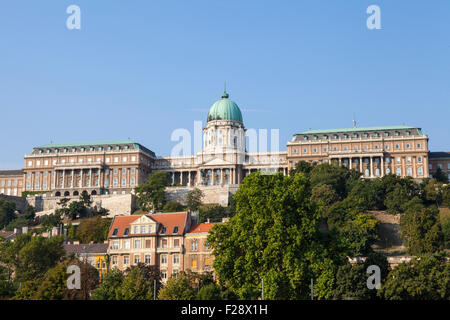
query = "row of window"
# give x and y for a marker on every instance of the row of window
(8, 192)
(356, 135)
(84, 149)
(440, 166)
(147, 259)
(73, 161)
(345, 148)
(9, 183)
(163, 243)
(163, 260)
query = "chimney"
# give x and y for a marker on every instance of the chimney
(207, 220)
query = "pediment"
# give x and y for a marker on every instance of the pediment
(144, 219)
(217, 162)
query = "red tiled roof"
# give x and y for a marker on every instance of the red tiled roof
(168, 220)
(202, 227)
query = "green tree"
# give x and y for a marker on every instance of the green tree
(335, 176)
(135, 286)
(181, 287)
(194, 199)
(421, 230)
(351, 283)
(50, 221)
(369, 190)
(325, 196)
(427, 278)
(274, 235)
(93, 229)
(396, 199)
(107, 290)
(173, 206)
(209, 292)
(30, 257)
(85, 198)
(214, 212)
(151, 193)
(301, 167)
(440, 176)
(77, 210)
(7, 214)
(433, 191)
(446, 196)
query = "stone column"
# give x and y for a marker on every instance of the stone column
(340, 161)
(63, 179)
(81, 178)
(181, 177)
(72, 176)
(360, 164)
(371, 167)
(173, 178)
(189, 178)
(350, 163)
(414, 171)
(90, 178)
(382, 165)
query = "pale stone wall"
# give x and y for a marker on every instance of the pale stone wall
(116, 204)
(21, 203)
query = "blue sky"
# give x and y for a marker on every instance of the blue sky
(141, 69)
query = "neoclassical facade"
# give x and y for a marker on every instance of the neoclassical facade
(117, 167)
(223, 160)
(374, 151)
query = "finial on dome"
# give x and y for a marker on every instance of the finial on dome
(225, 94)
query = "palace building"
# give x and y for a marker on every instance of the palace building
(117, 167)
(374, 151)
(114, 167)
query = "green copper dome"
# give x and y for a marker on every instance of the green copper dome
(225, 109)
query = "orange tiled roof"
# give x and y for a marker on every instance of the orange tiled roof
(168, 220)
(202, 227)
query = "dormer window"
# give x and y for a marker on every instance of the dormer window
(386, 134)
(175, 229)
(408, 133)
(397, 133)
(376, 134)
(163, 230)
(325, 137)
(127, 230)
(345, 136)
(335, 136)
(355, 135)
(316, 137)
(74, 149)
(305, 137)
(65, 149)
(115, 232)
(366, 135)
(40, 151)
